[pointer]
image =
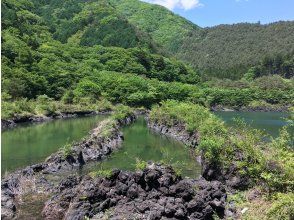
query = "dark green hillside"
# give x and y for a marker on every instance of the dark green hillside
(90, 23)
(37, 60)
(224, 51)
(165, 27)
(229, 50)
(34, 63)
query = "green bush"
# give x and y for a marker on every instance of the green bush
(121, 112)
(101, 173)
(241, 146)
(282, 207)
(140, 164)
(66, 150)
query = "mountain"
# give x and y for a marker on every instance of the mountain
(229, 50)
(165, 27)
(222, 51)
(83, 51)
(90, 23)
(49, 46)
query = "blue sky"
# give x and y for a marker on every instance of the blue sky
(213, 12)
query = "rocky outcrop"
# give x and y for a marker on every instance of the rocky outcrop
(177, 131)
(93, 148)
(6, 124)
(20, 183)
(154, 193)
(230, 176)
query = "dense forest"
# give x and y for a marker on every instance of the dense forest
(224, 51)
(49, 47)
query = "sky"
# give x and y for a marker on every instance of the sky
(207, 13)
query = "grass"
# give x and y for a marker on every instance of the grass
(45, 106)
(140, 164)
(101, 173)
(279, 206)
(269, 163)
(67, 150)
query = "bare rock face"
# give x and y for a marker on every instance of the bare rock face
(154, 193)
(177, 131)
(6, 124)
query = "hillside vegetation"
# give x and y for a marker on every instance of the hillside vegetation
(34, 63)
(165, 27)
(229, 50)
(83, 51)
(90, 23)
(224, 51)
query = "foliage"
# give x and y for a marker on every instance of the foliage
(164, 26)
(140, 164)
(66, 150)
(25, 108)
(242, 146)
(228, 51)
(101, 173)
(282, 207)
(106, 127)
(121, 112)
(224, 51)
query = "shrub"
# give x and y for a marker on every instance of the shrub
(66, 150)
(121, 112)
(140, 164)
(101, 173)
(282, 207)
(242, 146)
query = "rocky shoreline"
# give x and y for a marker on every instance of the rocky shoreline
(13, 122)
(93, 148)
(176, 131)
(154, 193)
(251, 109)
(230, 177)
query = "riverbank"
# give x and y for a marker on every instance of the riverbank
(252, 108)
(45, 109)
(232, 161)
(177, 197)
(102, 140)
(236, 157)
(18, 120)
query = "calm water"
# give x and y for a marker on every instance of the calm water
(29, 144)
(144, 144)
(270, 122)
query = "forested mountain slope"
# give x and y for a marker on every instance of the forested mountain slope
(91, 23)
(165, 27)
(44, 53)
(228, 50)
(222, 51)
(36, 61)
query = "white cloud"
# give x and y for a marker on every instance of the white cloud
(172, 4)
